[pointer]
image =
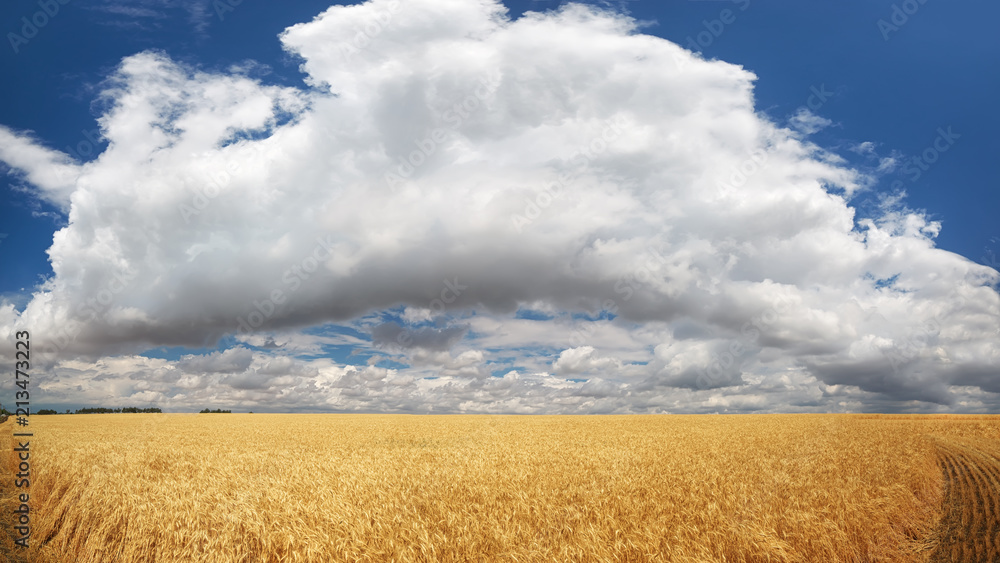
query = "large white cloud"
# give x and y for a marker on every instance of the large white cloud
(445, 158)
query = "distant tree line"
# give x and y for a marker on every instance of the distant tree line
(102, 410)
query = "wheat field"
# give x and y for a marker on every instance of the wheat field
(751, 488)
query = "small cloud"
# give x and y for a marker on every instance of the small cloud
(991, 258)
(887, 164)
(147, 14)
(808, 122)
(891, 203)
(414, 315)
(130, 11)
(866, 147)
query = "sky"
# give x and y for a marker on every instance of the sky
(442, 206)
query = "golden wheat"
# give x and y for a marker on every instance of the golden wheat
(224, 488)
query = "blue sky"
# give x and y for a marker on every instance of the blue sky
(882, 86)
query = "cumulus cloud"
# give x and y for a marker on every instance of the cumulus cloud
(583, 360)
(443, 159)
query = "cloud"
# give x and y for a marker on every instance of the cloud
(149, 14)
(583, 360)
(454, 165)
(429, 338)
(865, 148)
(280, 383)
(809, 123)
(227, 361)
(50, 172)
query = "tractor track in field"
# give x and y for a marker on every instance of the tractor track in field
(970, 527)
